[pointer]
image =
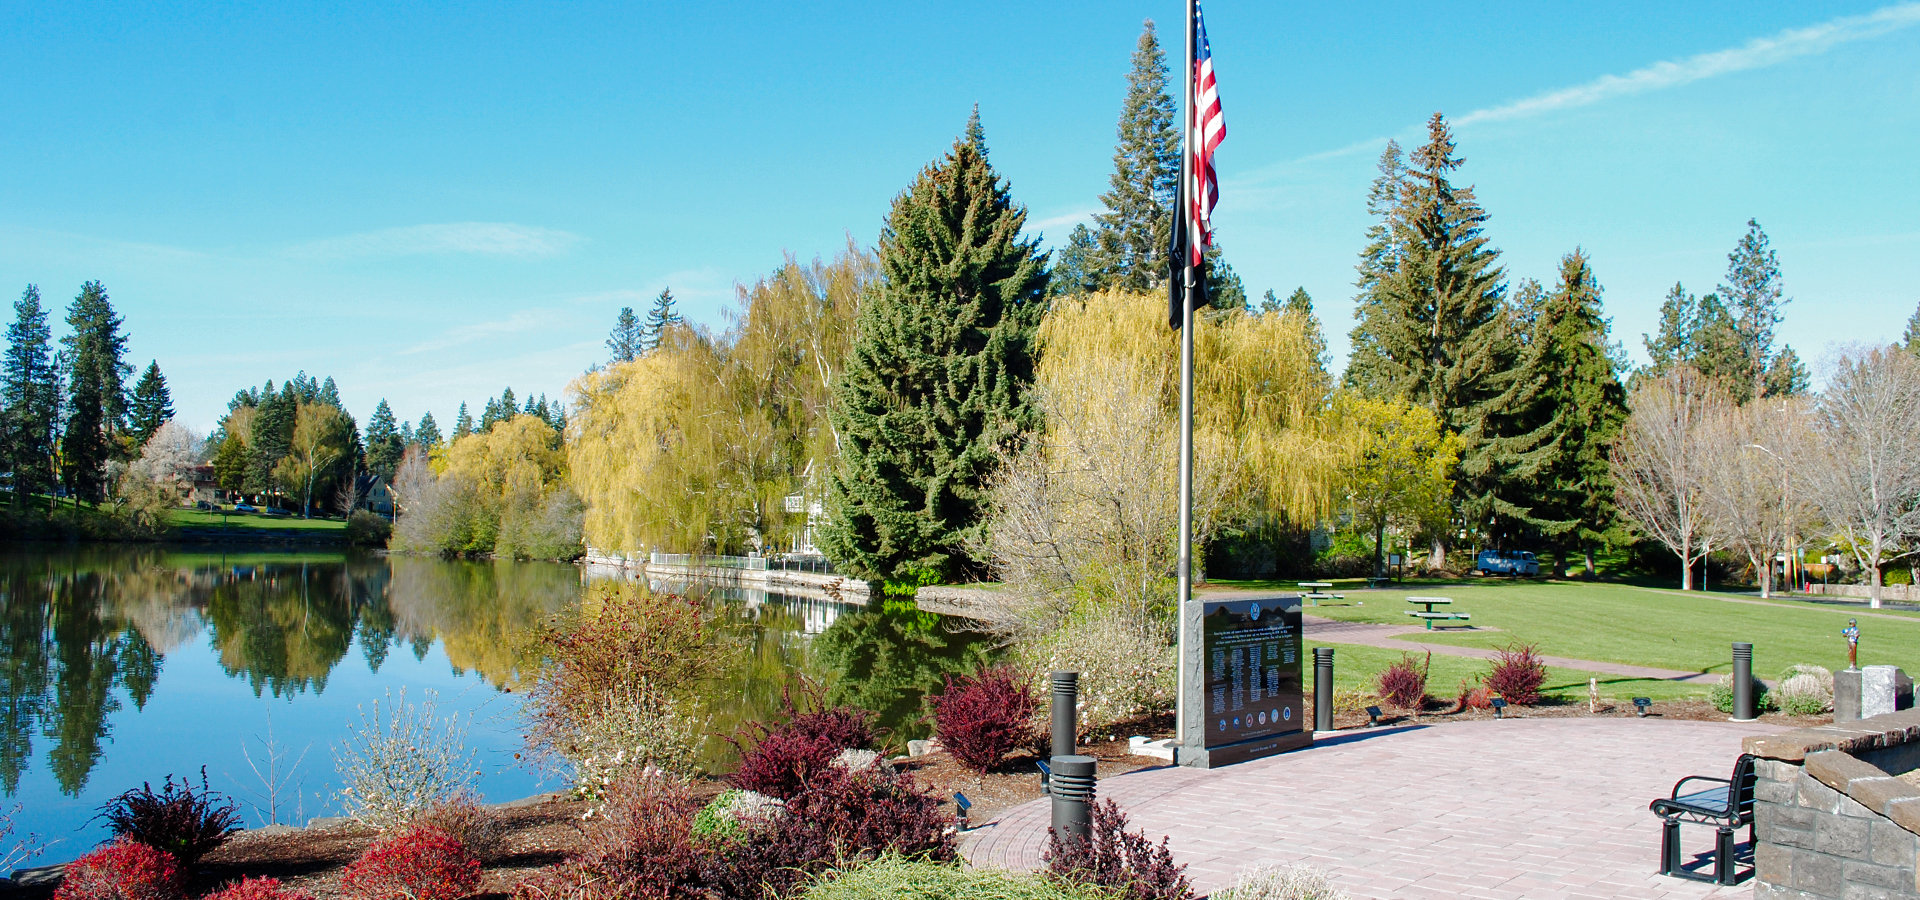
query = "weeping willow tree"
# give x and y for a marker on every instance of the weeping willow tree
(691, 448)
(1084, 515)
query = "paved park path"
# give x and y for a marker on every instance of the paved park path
(1541, 809)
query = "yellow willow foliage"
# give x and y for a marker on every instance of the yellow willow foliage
(517, 455)
(1259, 395)
(1089, 508)
(692, 447)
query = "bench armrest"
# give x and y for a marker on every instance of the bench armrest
(1682, 782)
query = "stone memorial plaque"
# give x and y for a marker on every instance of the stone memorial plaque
(1251, 689)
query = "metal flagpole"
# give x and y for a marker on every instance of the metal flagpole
(1186, 734)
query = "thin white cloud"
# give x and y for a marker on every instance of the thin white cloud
(480, 238)
(524, 321)
(1755, 54)
(1064, 219)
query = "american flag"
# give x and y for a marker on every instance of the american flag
(1205, 131)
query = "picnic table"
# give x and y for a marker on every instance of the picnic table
(1316, 591)
(1429, 615)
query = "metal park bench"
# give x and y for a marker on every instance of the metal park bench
(1315, 591)
(1727, 807)
(1429, 616)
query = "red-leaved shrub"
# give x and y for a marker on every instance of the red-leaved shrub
(177, 819)
(983, 717)
(1518, 674)
(1112, 858)
(258, 889)
(1404, 684)
(416, 863)
(645, 847)
(1473, 696)
(121, 870)
(786, 755)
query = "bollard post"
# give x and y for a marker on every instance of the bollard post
(1743, 700)
(1066, 715)
(1323, 688)
(1072, 788)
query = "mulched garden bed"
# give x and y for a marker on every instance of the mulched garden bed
(542, 831)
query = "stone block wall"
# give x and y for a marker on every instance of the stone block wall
(1828, 823)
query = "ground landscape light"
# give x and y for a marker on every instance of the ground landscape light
(1499, 707)
(1046, 775)
(1373, 714)
(1640, 705)
(960, 800)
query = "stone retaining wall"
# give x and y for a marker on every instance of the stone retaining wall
(1831, 819)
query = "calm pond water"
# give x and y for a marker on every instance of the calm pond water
(123, 665)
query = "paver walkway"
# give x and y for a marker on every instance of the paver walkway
(1396, 637)
(1542, 809)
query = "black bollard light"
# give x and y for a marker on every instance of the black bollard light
(1066, 716)
(1743, 705)
(1323, 688)
(1072, 787)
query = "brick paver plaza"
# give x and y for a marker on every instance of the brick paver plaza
(1532, 808)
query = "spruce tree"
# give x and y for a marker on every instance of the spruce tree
(1753, 297)
(384, 445)
(272, 437)
(462, 422)
(1130, 236)
(330, 394)
(628, 337)
(1585, 405)
(1435, 330)
(1299, 303)
(94, 351)
(30, 384)
(428, 434)
(1674, 342)
(151, 406)
(508, 409)
(937, 381)
(660, 318)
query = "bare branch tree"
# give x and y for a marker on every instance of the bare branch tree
(1756, 504)
(1662, 460)
(1865, 478)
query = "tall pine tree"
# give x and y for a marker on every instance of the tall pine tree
(660, 318)
(30, 384)
(462, 422)
(428, 434)
(1753, 297)
(938, 378)
(1435, 330)
(95, 351)
(628, 339)
(151, 406)
(384, 446)
(1585, 406)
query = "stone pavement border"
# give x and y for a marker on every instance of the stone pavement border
(1542, 809)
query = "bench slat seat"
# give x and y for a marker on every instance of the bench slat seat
(1727, 806)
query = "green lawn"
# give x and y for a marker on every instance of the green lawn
(195, 518)
(1617, 623)
(1356, 666)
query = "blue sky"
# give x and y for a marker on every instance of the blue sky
(430, 202)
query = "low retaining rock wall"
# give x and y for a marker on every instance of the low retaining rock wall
(1832, 821)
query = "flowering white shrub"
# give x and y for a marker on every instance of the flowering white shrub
(1126, 665)
(635, 731)
(403, 760)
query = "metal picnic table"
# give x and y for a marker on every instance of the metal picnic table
(1428, 615)
(1316, 591)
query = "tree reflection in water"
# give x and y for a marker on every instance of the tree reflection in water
(86, 634)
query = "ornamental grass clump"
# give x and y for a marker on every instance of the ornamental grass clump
(122, 870)
(1805, 690)
(1283, 883)
(1404, 684)
(462, 817)
(1518, 674)
(177, 819)
(414, 863)
(983, 717)
(893, 876)
(1116, 860)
